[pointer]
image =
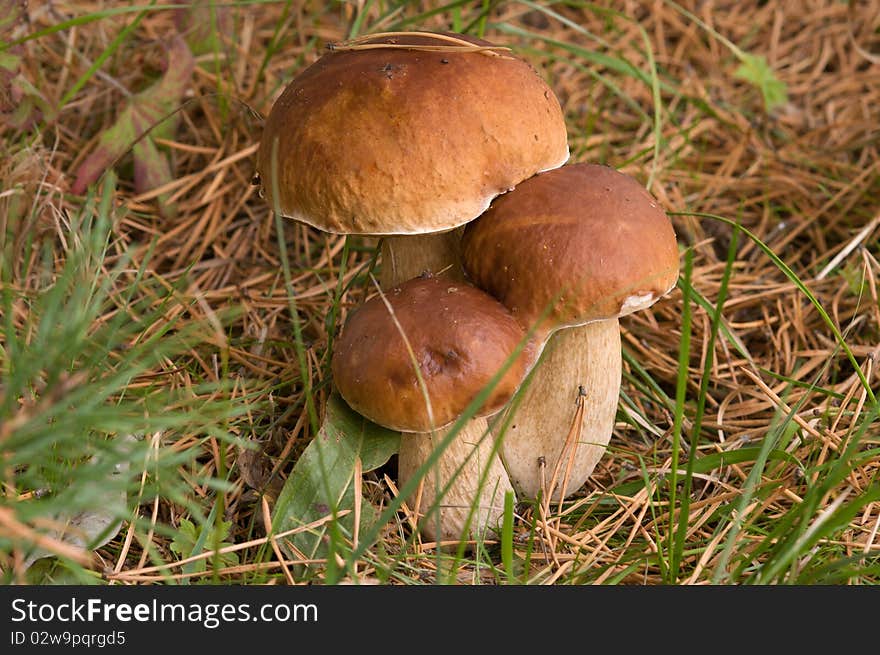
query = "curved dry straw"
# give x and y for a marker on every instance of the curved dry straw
(459, 45)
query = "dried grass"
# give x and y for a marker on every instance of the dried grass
(805, 179)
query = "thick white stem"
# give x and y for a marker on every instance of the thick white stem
(477, 489)
(403, 258)
(579, 365)
(406, 257)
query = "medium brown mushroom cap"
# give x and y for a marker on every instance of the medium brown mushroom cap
(403, 141)
(586, 238)
(460, 338)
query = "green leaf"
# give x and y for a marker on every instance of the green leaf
(188, 542)
(147, 114)
(152, 170)
(9, 61)
(205, 24)
(185, 540)
(20, 102)
(755, 70)
(322, 481)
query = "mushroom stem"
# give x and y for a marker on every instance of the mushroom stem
(405, 257)
(579, 365)
(480, 484)
(408, 256)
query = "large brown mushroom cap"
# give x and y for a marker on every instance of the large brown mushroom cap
(460, 338)
(586, 238)
(404, 141)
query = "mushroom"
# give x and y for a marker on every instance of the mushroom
(408, 136)
(413, 361)
(569, 252)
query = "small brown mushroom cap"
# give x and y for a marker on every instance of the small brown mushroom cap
(460, 338)
(406, 141)
(585, 238)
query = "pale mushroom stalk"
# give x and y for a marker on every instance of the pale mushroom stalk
(407, 256)
(577, 360)
(468, 469)
(470, 472)
(413, 359)
(570, 251)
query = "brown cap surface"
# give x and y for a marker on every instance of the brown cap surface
(587, 238)
(460, 337)
(404, 141)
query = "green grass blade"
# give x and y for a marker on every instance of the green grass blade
(792, 276)
(684, 509)
(684, 353)
(507, 539)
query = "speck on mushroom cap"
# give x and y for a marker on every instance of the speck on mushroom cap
(403, 141)
(460, 337)
(585, 237)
